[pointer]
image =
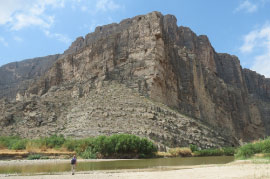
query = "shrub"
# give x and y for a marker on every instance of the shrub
(88, 154)
(82, 144)
(44, 157)
(55, 141)
(34, 146)
(193, 147)
(228, 151)
(245, 151)
(118, 145)
(184, 152)
(8, 141)
(258, 147)
(34, 157)
(71, 144)
(266, 146)
(209, 152)
(19, 144)
(248, 150)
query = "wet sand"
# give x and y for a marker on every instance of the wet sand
(235, 170)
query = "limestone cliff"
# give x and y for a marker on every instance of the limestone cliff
(16, 76)
(167, 65)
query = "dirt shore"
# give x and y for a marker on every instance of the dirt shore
(235, 170)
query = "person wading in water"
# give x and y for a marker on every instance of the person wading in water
(73, 164)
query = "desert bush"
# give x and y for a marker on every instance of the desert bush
(193, 147)
(209, 152)
(228, 151)
(118, 145)
(36, 145)
(245, 151)
(8, 141)
(183, 152)
(44, 157)
(266, 146)
(55, 141)
(71, 144)
(19, 144)
(88, 154)
(34, 157)
(248, 150)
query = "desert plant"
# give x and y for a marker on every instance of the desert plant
(8, 141)
(193, 147)
(34, 157)
(55, 141)
(209, 152)
(248, 150)
(183, 152)
(228, 151)
(71, 144)
(88, 154)
(19, 144)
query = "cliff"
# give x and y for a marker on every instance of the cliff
(168, 66)
(17, 76)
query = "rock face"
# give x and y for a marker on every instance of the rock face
(17, 76)
(163, 64)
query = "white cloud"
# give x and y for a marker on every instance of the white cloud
(105, 5)
(84, 8)
(18, 14)
(17, 39)
(3, 41)
(262, 64)
(60, 37)
(247, 6)
(24, 20)
(257, 45)
(251, 6)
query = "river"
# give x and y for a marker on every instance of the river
(157, 163)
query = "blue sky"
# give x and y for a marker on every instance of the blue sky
(33, 28)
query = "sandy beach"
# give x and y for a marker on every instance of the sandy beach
(236, 170)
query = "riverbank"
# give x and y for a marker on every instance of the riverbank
(51, 161)
(238, 169)
(246, 169)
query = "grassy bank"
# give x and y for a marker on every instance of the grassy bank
(194, 151)
(118, 146)
(115, 146)
(251, 149)
(225, 151)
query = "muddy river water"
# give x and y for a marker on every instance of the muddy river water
(157, 163)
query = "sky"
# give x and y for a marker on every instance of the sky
(35, 28)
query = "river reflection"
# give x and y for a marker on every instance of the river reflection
(112, 165)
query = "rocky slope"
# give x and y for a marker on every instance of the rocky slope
(168, 66)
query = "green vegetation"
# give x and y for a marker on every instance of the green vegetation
(193, 147)
(13, 142)
(250, 149)
(34, 157)
(183, 152)
(123, 146)
(115, 146)
(228, 151)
